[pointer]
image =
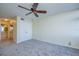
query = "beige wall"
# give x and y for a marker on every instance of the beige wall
(61, 29)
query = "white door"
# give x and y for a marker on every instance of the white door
(23, 35)
(23, 30)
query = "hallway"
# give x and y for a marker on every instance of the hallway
(6, 31)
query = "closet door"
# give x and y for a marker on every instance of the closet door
(23, 35)
(21, 30)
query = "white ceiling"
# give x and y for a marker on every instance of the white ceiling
(11, 9)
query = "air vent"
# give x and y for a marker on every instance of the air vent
(22, 18)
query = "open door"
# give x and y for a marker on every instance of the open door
(6, 30)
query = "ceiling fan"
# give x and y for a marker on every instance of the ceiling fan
(33, 9)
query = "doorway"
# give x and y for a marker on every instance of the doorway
(7, 27)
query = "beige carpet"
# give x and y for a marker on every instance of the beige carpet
(36, 48)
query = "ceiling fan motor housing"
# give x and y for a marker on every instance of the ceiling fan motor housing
(34, 11)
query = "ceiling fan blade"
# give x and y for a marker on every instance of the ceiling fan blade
(34, 6)
(36, 14)
(41, 11)
(23, 7)
(28, 13)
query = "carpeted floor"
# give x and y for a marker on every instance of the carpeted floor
(36, 48)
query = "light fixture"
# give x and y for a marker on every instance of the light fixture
(6, 19)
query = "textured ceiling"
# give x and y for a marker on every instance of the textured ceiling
(11, 9)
